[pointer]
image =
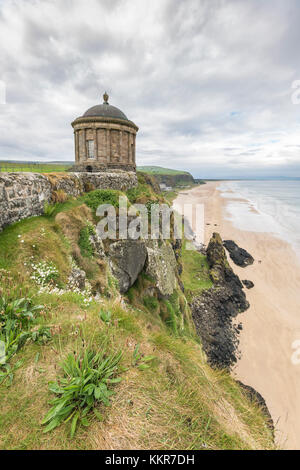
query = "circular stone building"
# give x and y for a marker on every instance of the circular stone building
(104, 139)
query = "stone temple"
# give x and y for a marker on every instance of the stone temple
(104, 139)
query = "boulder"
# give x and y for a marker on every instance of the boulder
(248, 284)
(238, 255)
(127, 259)
(161, 266)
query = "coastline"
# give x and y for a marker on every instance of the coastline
(272, 323)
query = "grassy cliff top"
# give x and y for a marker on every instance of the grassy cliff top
(174, 400)
(158, 170)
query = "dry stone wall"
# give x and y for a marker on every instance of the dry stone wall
(24, 195)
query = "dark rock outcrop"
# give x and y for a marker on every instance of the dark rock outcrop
(238, 255)
(213, 312)
(150, 180)
(174, 180)
(248, 284)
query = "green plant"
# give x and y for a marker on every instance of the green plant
(42, 335)
(84, 242)
(16, 320)
(45, 273)
(105, 316)
(139, 360)
(19, 312)
(49, 209)
(95, 198)
(86, 383)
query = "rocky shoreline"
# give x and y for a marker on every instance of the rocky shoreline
(216, 308)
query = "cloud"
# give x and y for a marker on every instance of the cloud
(208, 82)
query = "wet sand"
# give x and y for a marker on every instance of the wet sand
(272, 323)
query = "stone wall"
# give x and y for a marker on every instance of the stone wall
(24, 195)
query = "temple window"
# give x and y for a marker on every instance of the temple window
(90, 149)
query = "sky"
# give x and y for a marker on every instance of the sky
(208, 82)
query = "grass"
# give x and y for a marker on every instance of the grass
(178, 402)
(158, 170)
(170, 195)
(33, 167)
(84, 241)
(195, 274)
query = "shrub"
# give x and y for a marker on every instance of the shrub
(84, 242)
(86, 383)
(141, 191)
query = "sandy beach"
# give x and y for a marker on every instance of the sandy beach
(272, 323)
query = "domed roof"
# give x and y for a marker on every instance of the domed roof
(106, 110)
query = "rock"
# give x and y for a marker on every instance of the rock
(97, 245)
(248, 284)
(256, 397)
(161, 266)
(238, 255)
(76, 279)
(127, 259)
(22, 195)
(214, 310)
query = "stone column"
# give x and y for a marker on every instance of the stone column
(75, 147)
(133, 149)
(84, 144)
(129, 148)
(108, 156)
(95, 144)
(120, 146)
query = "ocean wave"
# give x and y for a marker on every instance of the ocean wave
(265, 206)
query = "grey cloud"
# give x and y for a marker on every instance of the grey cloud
(208, 82)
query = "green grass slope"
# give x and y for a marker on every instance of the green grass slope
(158, 170)
(167, 398)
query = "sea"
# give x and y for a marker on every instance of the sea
(265, 206)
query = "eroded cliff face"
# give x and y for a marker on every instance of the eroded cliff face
(24, 195)
(214, 310)
(175, 180)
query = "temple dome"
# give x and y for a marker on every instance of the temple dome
(105, 110)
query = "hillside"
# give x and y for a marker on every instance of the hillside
(109, 326)
(168, 176)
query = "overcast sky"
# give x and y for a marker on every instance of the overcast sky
(208, 82)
